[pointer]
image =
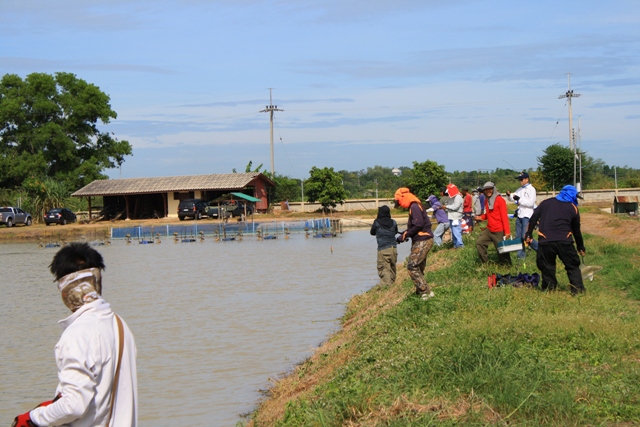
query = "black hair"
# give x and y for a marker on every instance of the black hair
(75, 257)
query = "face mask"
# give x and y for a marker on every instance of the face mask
(80, 288)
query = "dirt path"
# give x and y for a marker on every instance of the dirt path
(620, 229)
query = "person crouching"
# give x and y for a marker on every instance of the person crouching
(497, 224)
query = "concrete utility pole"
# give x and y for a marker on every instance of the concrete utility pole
(270, 109)
(572, 143)
(569, 95)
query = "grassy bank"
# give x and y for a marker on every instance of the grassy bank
(474, 356)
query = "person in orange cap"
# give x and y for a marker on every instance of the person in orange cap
(454, 211)
(419, 231)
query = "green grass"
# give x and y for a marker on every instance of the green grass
(473, 356)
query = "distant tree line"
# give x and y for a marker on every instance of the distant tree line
(555, 170)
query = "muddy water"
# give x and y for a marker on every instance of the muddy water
(213, 321)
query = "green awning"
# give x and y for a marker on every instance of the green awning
(237, 196)
(248, 198)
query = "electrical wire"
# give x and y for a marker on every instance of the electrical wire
(557, 121)
(283, 148)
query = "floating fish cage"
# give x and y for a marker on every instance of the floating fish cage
(267, 230)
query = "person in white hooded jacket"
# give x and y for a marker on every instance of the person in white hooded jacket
(525, 198)
(95, 356)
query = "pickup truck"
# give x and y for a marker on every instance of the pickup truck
(229, 210)
(11, 216)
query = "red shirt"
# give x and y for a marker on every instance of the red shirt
(497, 218)
(467, 206)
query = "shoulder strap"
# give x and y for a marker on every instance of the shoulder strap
(116, 377)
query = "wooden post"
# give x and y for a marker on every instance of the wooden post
(126, 204)
(165, 204)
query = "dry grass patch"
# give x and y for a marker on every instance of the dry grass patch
(403, 407)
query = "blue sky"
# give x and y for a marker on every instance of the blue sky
(469, 84)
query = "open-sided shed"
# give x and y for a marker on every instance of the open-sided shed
(625, 204)
(135, 198)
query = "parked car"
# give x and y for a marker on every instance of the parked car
(192, 208)
(228, 210)
(60, 216)
(11, 216)
(214, 212)
(238, 209)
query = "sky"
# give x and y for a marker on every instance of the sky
(472, 85)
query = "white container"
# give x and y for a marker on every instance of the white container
(510, 246)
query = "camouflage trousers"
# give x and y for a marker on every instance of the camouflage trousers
(417, 261)
(387, 259)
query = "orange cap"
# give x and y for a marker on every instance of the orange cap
(404, 197)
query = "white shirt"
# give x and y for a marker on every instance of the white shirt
(86, 356)
(527, 202)
(454, 207)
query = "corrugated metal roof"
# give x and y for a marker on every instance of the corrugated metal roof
(222, 181)
(627, 199)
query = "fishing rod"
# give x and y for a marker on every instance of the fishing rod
(368, 211)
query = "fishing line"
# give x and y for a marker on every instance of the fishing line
(557, 121)
(275, 122)
(368, 211)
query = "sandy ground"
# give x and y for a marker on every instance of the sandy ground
(622, 229)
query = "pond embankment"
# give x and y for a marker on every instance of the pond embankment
(479, 356)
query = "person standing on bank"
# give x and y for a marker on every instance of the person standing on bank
(419, 231)
(385, 229)
(525, 198)
(96, 354)
(467, 207)
(454, 212)
(497, 224)
(440, 215)
(477, 203)
(558, 223)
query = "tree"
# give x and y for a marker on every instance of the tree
(287, 188)
(324, 186)
(427, 178)
(250, 165)
(41, 195)
(556, 166)
(363, 183)
(382, 178)
(48, 128)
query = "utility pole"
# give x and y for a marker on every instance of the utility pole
(569, 95)
(270, 109)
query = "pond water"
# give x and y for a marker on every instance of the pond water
(213, 321)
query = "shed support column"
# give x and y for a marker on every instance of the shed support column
(126, 208)
(165, 204)
(90, 210)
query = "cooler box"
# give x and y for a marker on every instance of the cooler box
(510, 246)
